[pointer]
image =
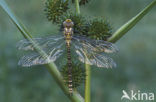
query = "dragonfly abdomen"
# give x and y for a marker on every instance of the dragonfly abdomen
(69, 62)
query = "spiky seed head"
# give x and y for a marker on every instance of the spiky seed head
(54, 9)
(78, 74)
(99, 29)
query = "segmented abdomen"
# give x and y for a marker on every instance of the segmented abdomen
(70, 85)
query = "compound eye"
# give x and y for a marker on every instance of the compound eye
(68, 20)
(68, 23)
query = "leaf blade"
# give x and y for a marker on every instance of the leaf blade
(131, 23)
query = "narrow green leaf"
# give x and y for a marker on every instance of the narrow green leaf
(20, 27)
(77, 7)
(131, 23)
(51, 67)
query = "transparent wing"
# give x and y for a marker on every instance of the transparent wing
(53, 46)
(93, 52)
(96, 45)
(42, 42)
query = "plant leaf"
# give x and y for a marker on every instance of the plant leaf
(76, 97)
(131, 23)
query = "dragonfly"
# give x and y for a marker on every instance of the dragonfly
(89, 51)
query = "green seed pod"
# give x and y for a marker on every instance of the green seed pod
(54, 9)
(99, 29)
(78, 74)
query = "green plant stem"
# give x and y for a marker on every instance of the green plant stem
(131, 23)
(87, 67)
(76, 97)
(87, 83)
(77, 6)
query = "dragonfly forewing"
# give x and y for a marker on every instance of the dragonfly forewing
(42, 42)
(96, 45)
(53, 46)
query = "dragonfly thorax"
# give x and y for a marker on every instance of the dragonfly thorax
(68, 30)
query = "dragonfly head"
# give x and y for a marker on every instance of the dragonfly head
(68, 23)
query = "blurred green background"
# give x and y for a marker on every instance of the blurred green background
(136, 60)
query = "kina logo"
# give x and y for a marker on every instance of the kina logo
(138, 95)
